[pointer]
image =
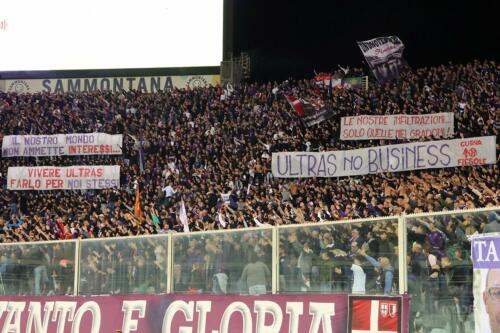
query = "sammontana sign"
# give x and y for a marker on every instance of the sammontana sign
(142, 83)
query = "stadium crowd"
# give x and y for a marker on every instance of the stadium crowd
(211, 148)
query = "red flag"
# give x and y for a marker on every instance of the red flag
(375, 315)
(312, 111)
(297, 105)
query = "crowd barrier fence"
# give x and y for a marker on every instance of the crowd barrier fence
(302, 258)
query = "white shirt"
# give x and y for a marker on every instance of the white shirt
(359, 281)
(169, 191)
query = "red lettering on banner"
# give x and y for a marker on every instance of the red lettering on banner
(471, 161)
(20, 184)
(347, 120)
(380, 133)
(90, 149)
(469, 143)
(91, 172)
(401, 133)
(54, 183)
(371, 120)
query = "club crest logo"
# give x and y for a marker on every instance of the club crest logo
(197, 82)
(388, 309)
(19, 86)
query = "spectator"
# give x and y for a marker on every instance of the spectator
(256, 276)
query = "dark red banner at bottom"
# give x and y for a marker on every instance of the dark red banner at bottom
(204, 313)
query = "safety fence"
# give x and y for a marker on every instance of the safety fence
(424, 255)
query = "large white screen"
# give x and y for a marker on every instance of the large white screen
(102, 34)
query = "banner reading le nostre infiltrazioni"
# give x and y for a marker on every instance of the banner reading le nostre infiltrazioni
(384, 55)
(368, 127)
(391, 158)
(485, 255)
(83, 177)
(62, 144)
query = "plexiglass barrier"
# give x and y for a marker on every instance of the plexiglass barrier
(235, 262)
(439, 268)
(45, 268)
(340, 257)
(359, 256)
(123, 265)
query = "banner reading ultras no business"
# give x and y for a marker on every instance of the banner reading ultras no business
(391, 158)
(63, 178)
(62, 144)
(367, 127)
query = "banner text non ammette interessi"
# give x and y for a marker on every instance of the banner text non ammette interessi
(62, 144)
(391, 158)
(368, 127)
(83, 177)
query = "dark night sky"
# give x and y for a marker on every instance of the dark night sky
(291, 38)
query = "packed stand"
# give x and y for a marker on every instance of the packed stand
(212, 148)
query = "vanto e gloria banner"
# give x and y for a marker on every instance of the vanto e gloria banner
(486, 286)
(84, 177)
(391, 158)
(369, 127)
(62, 144)
(205, 313)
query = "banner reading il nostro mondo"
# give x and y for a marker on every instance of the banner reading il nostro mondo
(197, 313)
(486, 263)
(62, 144)
(391, 158)
(84, 177)
(369, 127)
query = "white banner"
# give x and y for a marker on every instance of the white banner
(114, 84)
(391, 158)
(367, 127)
(62, 144)
(63, 178)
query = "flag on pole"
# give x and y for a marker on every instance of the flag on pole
(221, 221)
(141, 155)
(311, 111)
(137, 207)
(183, 216)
